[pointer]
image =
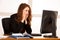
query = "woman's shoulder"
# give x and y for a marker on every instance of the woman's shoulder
(13, 15)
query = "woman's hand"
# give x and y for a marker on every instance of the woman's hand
(25, 21)
(24, 18)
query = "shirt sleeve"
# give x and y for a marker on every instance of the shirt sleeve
(28, 29)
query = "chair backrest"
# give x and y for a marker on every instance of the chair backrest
(6, 25)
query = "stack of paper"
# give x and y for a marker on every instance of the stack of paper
(3, 37)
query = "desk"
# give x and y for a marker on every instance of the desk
(31, 39)
(34, 38)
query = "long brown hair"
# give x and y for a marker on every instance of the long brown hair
(20, 12)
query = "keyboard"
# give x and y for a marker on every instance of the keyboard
(36, 34)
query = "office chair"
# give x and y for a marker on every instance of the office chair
(6, 25)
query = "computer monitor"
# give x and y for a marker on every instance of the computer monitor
(48, 24)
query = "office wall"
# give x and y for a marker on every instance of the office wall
(10, 6)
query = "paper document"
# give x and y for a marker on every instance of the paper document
(3, 37)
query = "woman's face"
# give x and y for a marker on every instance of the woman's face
(25, 12)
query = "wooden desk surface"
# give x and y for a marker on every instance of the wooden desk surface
(31, 39)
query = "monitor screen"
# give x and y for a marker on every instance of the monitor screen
(48, 23)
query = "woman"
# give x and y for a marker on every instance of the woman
(21, 21)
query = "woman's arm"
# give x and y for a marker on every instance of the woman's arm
(28, 29)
